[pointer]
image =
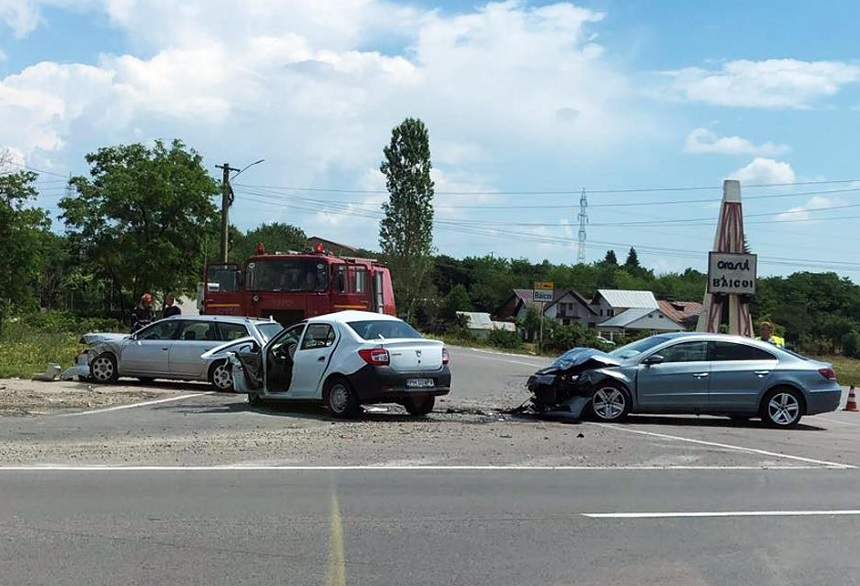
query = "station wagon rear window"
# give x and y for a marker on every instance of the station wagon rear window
(383, 329)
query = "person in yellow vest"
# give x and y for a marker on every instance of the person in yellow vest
(766, 334)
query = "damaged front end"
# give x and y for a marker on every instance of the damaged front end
(566, 385)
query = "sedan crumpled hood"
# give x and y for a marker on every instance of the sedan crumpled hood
(101, 337)
(580, 359)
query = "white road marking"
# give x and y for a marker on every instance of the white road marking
(720, 514)
(482, 354)
(289, 468)
(721, 445)
(134, 405)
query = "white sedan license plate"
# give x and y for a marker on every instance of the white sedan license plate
(419, 383)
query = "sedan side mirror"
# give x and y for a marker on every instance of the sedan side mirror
(653, 359)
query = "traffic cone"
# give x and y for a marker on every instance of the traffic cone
(851, 405)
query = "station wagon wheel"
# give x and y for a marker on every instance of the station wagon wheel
(103, 368)
(782, 407)
(341, 400)
(610, 403)
(221, 377)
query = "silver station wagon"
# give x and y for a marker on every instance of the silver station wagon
(171, 348)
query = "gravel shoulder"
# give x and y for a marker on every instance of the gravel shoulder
(21, 397)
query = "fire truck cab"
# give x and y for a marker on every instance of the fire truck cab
(291, 287)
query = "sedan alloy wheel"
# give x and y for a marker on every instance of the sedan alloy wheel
(783, 409)
(609, 403)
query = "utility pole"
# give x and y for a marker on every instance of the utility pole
(583, 220)
(226, 202)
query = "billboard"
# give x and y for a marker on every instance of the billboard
(731, 273)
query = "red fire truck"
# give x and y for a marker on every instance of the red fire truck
(293, 286)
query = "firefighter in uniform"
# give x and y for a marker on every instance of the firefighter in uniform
(766, 334)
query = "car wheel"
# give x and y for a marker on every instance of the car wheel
(610, 402)
(221, 377)
(420, 406)
(782, 407)
(103, 368)
(341, 400)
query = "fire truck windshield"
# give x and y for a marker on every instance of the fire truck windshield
(287, 275)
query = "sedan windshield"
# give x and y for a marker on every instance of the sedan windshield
(383, 329)
(638, 347)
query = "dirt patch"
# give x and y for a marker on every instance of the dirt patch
(19, 397)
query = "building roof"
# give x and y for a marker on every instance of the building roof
(628, 299)
(629, 317)
(680, 311)
(527, 297)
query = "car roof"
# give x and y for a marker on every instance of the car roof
(227, 319)
(352, 315)
(717, 337)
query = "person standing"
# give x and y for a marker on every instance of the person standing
(766, 335)
(142, 316)
(170, 308)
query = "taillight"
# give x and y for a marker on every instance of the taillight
(827, 373)
(445, 357)
(375, 356)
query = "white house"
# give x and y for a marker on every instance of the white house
(638, 319)
(567, 307)
(608, 303)
(480, 324)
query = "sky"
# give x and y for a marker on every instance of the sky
(647, 105)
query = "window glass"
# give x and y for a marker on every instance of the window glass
(287, 275)
(288, 341)
(199, 331)
(383, 329)
(222, 278)
(731, 351)
(232, 331)
(318, 336)
(350, 279)
(162, 330)
(635, 348)
(685, 352)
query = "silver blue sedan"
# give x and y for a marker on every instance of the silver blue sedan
(688, 373)
(171, 348)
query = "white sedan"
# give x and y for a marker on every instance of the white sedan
(344, 360)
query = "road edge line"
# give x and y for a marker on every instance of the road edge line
(134, 405)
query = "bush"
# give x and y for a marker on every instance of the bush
(561, 338)
(504, 339)
(851, 345)
(63, 322)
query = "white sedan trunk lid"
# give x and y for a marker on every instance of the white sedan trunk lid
(414, 355)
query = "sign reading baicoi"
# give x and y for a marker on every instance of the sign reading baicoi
(731, 273)
(543, 291)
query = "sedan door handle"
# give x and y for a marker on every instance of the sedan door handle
(165, 348)
(322, 358)
(762, 372)
(700, 374)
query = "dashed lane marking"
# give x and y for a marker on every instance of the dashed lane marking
(627, 429)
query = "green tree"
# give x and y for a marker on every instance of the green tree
(610, 259)
(24, 231)
(406, 231)
(276, 237)
(144, 217)
(456, 300)
(632, 261)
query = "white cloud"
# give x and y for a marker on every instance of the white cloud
(762, 171)
(802, 212)
(22, 16)
(704, 141)
(773, 83)
(296, 83)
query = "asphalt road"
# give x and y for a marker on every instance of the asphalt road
(394, 527)
(219, 493)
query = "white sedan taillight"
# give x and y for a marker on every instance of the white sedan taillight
(446, 358)
(375, 356)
